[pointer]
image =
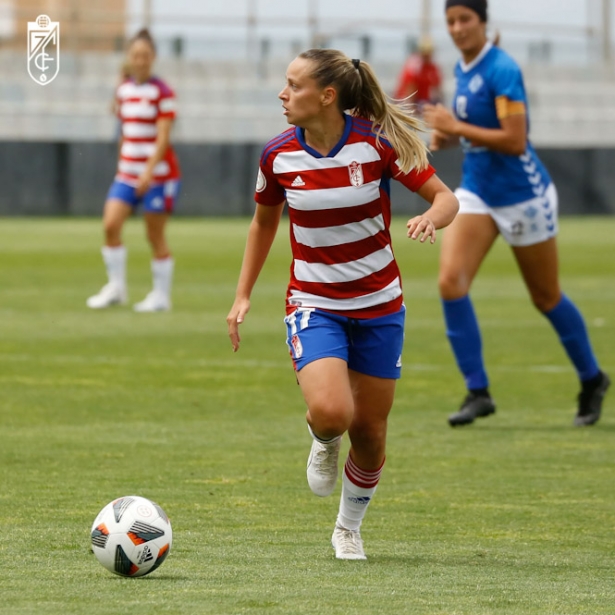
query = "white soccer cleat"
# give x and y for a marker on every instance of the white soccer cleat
(322, 467)
(348, 544)
(154, 302)
(110, 294)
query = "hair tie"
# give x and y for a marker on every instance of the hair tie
(478, 6)
(356, 63)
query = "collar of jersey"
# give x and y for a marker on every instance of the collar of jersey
(299, 133)
(466, 68)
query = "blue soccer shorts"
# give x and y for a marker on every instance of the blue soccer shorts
(159, 199)
(370, 346)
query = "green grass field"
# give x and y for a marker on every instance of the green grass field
(512, 515)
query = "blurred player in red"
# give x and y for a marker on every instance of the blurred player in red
(420, 77)
(344, 306)
(147, 173)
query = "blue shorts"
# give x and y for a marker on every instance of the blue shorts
(370, 346)
(159, 199)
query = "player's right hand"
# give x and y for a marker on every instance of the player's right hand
(235, 317)
(437, 140)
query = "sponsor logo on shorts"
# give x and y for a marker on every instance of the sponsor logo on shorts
(517, 229)
(297, 346)
(530, 212)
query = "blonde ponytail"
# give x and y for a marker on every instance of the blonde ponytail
(360, 93)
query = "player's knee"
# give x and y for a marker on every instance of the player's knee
(112, 230)
(545, 301)
(452, 285)
(330, 419)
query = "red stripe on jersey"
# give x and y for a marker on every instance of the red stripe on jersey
(342, 253)
(341, 193)
(131, 96)
(332, 177)
(336, 217)
(349, 290)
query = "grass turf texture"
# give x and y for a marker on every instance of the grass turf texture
(511, 515)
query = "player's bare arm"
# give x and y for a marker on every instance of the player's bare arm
(444, 207)
(510, 138)
(261, 234)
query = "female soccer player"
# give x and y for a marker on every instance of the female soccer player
(147, 172)
(505, 189)
(345, 316)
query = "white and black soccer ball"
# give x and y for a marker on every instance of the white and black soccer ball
(131, 536)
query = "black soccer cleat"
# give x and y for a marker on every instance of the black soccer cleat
(474, 406)
(590, 402)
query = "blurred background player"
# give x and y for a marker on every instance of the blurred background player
(345, 315)
(148, 172)
(420, 76)
(505, 189)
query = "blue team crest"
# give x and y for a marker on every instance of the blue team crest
(530, 212)
(476, 83)
(43, 49)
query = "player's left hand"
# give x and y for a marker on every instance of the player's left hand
(439, 118)
(421, 228)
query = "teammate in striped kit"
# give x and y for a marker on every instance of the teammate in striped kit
(505, 189)
(345, 314)
(148, 172)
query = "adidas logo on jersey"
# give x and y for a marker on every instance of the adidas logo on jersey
(297, 182)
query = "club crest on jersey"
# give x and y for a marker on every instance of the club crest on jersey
(43, 49)
(356, 174)
(297, 346)
(476, 83)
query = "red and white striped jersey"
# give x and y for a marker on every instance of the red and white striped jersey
(140, 106)
(340, 213)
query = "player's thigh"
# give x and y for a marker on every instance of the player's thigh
(325, 385)
(539, 267)
(465, 243)
(318, 345)
(373, 398)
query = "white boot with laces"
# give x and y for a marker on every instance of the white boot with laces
(347, 543)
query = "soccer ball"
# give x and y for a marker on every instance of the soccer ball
(131, 536)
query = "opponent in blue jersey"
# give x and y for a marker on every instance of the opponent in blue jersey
(505, 190)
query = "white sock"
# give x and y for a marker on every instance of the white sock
(358, 488)
(162, 274)
(115, 263)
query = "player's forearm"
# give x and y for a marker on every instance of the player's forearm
(258, 245)
(443, 209)
(497, 139)
(162, 144)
